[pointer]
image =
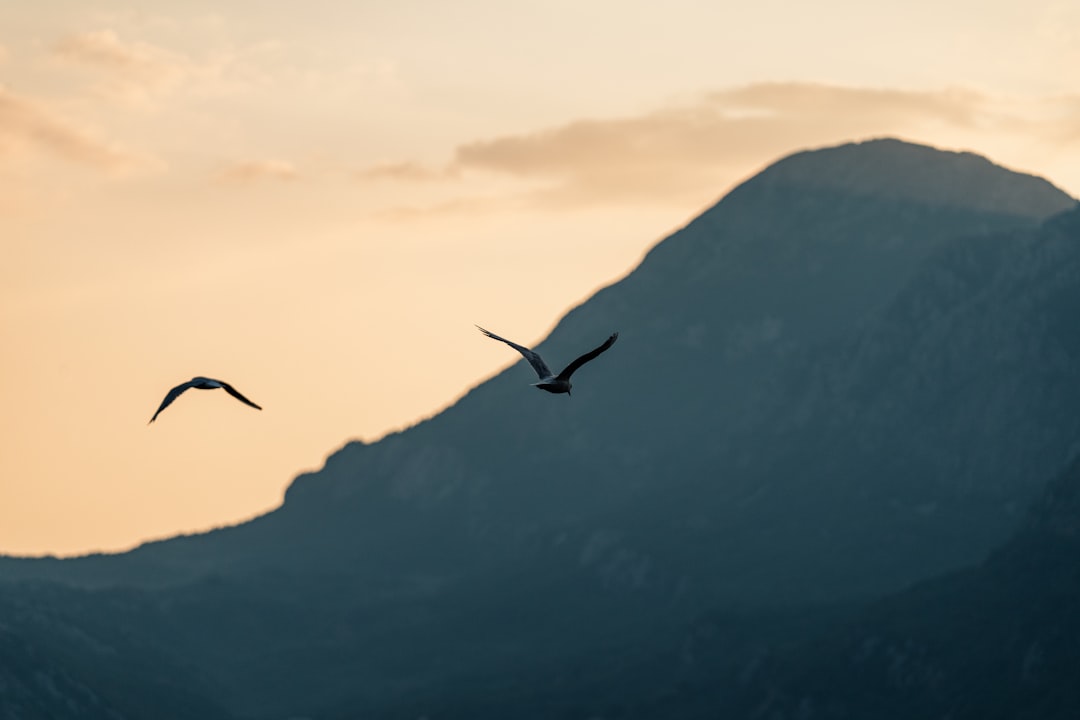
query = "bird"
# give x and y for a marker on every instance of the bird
(201, 383)
(549, 381)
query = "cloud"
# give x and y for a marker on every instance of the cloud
(126, 69)
(405, 172)
(809, 100)
(462, 206)
(690, 153)
(693, 150)
(27, 124)
(249, 171)
(670, 153)
(1069, 119)
(132, 71)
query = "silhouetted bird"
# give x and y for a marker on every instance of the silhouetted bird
(202, 384)
(553, 383)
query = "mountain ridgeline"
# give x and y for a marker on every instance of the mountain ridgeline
(855, 372)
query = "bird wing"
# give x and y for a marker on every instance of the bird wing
(236, 394)
(569, 370)
(534, 359)
(173, 394)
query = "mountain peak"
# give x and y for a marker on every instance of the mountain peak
(900, 169)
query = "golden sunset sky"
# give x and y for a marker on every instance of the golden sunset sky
(304, 199)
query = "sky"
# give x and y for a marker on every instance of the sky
(317, 201)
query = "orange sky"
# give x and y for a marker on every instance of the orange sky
(304, 204)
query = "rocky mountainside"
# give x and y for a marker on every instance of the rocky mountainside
(996, 641)
(851, 374)
(68, 653)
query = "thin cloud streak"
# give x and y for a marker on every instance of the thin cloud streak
(130, 70)
(142, 74)
(251, 171)
(104, 48)
(406, 172)
(462, 207)
(27, 124)
(956, 106)
(1068, 125)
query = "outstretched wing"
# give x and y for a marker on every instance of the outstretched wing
(535, 360)
(569, 370)
(236, 394)
(173, 394)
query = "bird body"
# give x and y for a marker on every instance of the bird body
(553, 385)
(549, 381)
(201, 383)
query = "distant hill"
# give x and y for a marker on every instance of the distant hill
(866, 369)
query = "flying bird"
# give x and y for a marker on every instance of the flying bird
(549, 381)
(201, 383)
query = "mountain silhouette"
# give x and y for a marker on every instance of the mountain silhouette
(866, 369)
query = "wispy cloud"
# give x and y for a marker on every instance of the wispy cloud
(665, 154)
(462, 206)
(249, 171)
(125, 69)
(693, 151)
(815, 100)
(1068, 123)
(27, 124)
(675, 153)
(406, 172)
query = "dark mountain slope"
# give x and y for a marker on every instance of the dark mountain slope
(1001, 640)
(67, 654)
(941, 412)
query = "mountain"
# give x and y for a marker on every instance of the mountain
(994, 641)
(66, 653)
(866, 366)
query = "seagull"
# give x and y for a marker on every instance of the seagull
(549, 381)
(201, 383)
